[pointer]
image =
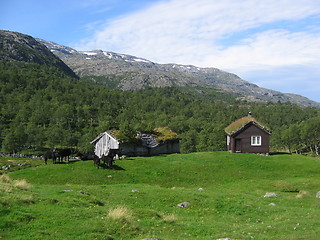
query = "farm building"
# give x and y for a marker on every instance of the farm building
(159, 141)
(247, 135)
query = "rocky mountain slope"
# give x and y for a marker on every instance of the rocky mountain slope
(131, 73)
(19, 47)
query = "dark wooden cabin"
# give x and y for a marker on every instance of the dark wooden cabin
(247, 135)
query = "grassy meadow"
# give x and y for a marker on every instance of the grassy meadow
(138, 198)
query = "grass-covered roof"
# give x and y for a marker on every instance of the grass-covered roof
(161, 134)
(236, 125)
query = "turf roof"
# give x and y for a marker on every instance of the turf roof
(161, 134)
(236, 125)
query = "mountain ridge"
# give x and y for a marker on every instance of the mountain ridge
(133, 73)
(15, 46)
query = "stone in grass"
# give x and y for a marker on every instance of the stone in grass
(272, 204)
(82, 192)
(151, 239)
(271, 194)
(318, 195)
(225, 239)
(183, 204)
(134, 190)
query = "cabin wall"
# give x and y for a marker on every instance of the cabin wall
(242, 141)
(167, 148)
(130, 149)
(104, 144)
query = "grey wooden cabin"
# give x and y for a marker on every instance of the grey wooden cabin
(147, 145)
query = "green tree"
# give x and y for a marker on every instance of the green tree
(311, 134)
(127, 133)
(14, 140)
(189, 141)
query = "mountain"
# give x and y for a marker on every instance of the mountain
(19, 47)
(128, 72)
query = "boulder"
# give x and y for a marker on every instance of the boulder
(318, 195)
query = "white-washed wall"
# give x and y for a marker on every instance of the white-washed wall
(104, 144)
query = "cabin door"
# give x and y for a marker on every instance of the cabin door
(238, 145)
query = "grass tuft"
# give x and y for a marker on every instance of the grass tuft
(22, 184)
(301, 194)
(286, 187)
(4, 178)
(14, 192)
(121, 213)
(170, 218)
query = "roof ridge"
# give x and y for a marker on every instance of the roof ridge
(241, 123)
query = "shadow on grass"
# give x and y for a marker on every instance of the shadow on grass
(114, 167)
(67, 162)
(128, 158)
(280, 153)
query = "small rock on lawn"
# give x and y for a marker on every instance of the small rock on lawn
(184, 204)
(271, 194)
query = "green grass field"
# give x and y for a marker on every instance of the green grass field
(79, 201)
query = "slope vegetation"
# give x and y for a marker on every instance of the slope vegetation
(138, 199)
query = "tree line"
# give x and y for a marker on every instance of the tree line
(299, 137)
(42, 107)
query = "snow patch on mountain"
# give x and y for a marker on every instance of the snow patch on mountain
(90, 53)
(140, 60)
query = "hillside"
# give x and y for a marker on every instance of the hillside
(138, 199)
(19, 47)
(131, 73)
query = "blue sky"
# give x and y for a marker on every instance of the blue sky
(272, 43)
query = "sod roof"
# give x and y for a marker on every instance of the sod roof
(160, 134)
(238, 124)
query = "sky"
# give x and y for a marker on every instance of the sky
(272, 43)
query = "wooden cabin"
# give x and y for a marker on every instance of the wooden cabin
(144, 144)
(247, 135)
(103, 143)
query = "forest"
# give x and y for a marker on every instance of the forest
(41, 107)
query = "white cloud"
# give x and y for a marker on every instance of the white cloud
(234, 35)
(175, 30)
(269, 49)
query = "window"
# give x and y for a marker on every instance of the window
(256, 140)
